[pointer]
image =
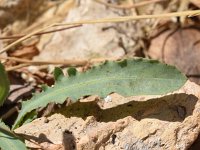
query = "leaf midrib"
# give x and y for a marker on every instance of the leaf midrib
(65, 89)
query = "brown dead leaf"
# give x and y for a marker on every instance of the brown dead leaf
(26, 52)
(196, 2)
(179, 48)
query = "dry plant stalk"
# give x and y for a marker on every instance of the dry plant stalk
(40, 33)
(104, 20)
(67, 63)
(31, 35)
(17, 67)
(32, 62)
(129, 6)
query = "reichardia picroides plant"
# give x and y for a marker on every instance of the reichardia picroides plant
(127, 77)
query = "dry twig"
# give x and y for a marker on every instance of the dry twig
(40, 33)
(105, 20)
(67, 63)
(128, 6)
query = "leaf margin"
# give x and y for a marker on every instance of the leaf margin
(121, 63)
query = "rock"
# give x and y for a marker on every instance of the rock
(95, 40)
(87, 41)
(165, 122)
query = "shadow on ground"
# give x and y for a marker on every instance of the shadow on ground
(171, 108)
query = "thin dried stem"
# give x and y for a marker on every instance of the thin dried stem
(67, 63)
(30, 35)
(128, 6)
(40, 33)
(17, 67)
(26, 37)
(105, 20)
(131, 18)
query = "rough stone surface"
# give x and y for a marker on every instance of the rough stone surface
(94, 40)
(87, 41)
(165, 122)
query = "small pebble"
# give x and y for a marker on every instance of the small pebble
(46, 120)
(108, 99)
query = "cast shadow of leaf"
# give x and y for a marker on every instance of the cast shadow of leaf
(173, 108)
(68, 142)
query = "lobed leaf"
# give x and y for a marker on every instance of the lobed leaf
(127, 77)
(58, 73)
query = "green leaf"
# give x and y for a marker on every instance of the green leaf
(8, 140)
(128, 77)
(72, 71)
(58, 73)
(44, 87)
(29, 117)
(4, 84)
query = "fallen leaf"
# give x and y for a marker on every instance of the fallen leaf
(196, 2)
(179, 48)
(26, 52)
